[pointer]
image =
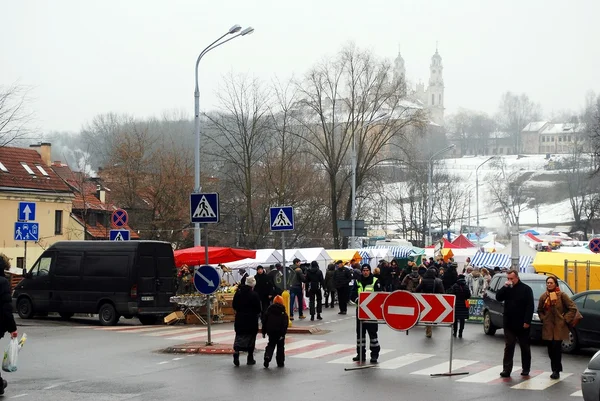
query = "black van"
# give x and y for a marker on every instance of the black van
(110, 278)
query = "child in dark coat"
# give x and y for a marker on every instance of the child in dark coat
(275, 324)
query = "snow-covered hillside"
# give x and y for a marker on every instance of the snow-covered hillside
(558, 213)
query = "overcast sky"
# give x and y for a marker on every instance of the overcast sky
(83, 58)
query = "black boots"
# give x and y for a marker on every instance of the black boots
(251, 360)
(319, 316)
(236, 358)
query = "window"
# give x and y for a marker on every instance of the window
(27, 168)
(569, 138)
(560, 138)
(106, 265)
(20, 262)
(67, 264)
(432, 99)
(440, 98)
(593, 302)
(44, 173)
(92, 221)
(42, 267)
(58, 217)
(3, 168)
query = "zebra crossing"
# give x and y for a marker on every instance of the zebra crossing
(300, 347)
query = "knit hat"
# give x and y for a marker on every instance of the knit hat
(259, 267)
(278, 299)
(366, 266)
(250, 281)
(314, 263)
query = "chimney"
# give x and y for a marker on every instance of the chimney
(100, 194)
(44, 149)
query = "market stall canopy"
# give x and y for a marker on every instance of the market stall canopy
(447, 244)
(463, 242)
(524, 249)
(530, 231)
(315, 254)
(400, 252)
(491, 260)
(291, 254)
(532, 237)
(549, 261)
(264, 257)
(216, 255)
(344, 255)
(493, 246)
(447, 254)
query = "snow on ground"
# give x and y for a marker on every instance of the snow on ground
(464, 168)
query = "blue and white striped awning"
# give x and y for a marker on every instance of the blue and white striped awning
(364, 255)
(492, 259)
(400, 252)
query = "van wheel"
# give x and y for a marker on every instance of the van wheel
(66, 315)
(108, 315)
(148, 319)
(25, 308)
(488, 327)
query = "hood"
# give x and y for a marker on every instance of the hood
(414, 274)
(430, 273)
(461, 281)
(313, 269)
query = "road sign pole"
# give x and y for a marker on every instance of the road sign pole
(361, 347)
(208, 319)
(283, 256)
(25, 258)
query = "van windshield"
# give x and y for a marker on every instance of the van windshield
(42, 267)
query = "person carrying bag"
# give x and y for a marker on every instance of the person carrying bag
(7, 320)
(556, 311)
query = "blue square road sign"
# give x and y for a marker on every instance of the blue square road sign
(119, 235)
(282, 218)
(27, 231)
(26, 211)
(204, 208)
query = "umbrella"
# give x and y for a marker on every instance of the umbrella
(216, 255)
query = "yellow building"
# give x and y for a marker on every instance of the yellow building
(26, 176)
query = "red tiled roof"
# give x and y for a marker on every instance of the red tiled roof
(17, 177)
(100, 231)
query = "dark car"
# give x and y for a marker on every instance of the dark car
(587, 331)
(493, 310)
(590, 379)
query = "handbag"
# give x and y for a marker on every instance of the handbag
(578, 316)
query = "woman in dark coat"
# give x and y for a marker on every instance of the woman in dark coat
(329, 285)
(461, 311)
(7, 320)
(246, 304)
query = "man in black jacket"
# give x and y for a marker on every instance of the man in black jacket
(518, 311)
(7, 320)
(314, 283)
(341, 278)
(265, 288)
(366, 283)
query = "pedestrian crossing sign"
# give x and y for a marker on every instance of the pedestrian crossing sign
(204, 208)
(119, 235)
(282, 218)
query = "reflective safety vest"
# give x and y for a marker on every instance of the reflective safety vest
(368, 288)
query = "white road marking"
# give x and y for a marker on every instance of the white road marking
(332, 349)
(178, 359)
(540, 382)
(20, 395)
(403, 360)
(145, 329)
(198, 335)
(163, 362)
(302, 343)
(484, 376)
(443, 367)
(176, 331)
(347, 360)
(577, 394)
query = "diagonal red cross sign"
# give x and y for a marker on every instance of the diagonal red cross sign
(119, 218)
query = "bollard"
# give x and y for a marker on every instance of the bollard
(286, 303)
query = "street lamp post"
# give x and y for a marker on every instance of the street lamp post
(352, 241)
(430, 189)
(477, 186)
(236, 29)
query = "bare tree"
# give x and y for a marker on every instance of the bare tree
(103, 134)
(472, 129)
(15, 119)
(508, 190)
(516, 111)
(451, 199)
(340, 100)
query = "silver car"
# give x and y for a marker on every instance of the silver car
(590, 379)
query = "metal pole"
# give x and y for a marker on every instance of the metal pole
(451, 348)
(208, 306)
(353, 212)
(566, 271)
(576, 276)
(587, 276)
(361, 347)
(477, 194)
(284, 263)
(429, 207)
(25, 258)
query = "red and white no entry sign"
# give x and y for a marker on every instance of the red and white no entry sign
(401, 310)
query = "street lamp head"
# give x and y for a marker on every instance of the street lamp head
(235, 29)
(247, 31)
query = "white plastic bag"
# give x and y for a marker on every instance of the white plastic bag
(11, 354)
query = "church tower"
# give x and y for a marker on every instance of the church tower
(435, 90)
(400, 70)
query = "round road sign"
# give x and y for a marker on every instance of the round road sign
(119, 218)
(595, 245)
(401, 310)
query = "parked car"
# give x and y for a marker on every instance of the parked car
(110, 278)
(493, 310)
(590, 379)
(587, 331)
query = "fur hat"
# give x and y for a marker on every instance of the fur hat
(250, 281)
(278, 299)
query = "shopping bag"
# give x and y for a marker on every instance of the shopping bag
(11, 354)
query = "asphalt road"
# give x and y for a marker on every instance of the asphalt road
(79, 360)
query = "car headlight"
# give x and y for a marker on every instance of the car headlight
(536, 317)
(588, 377)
